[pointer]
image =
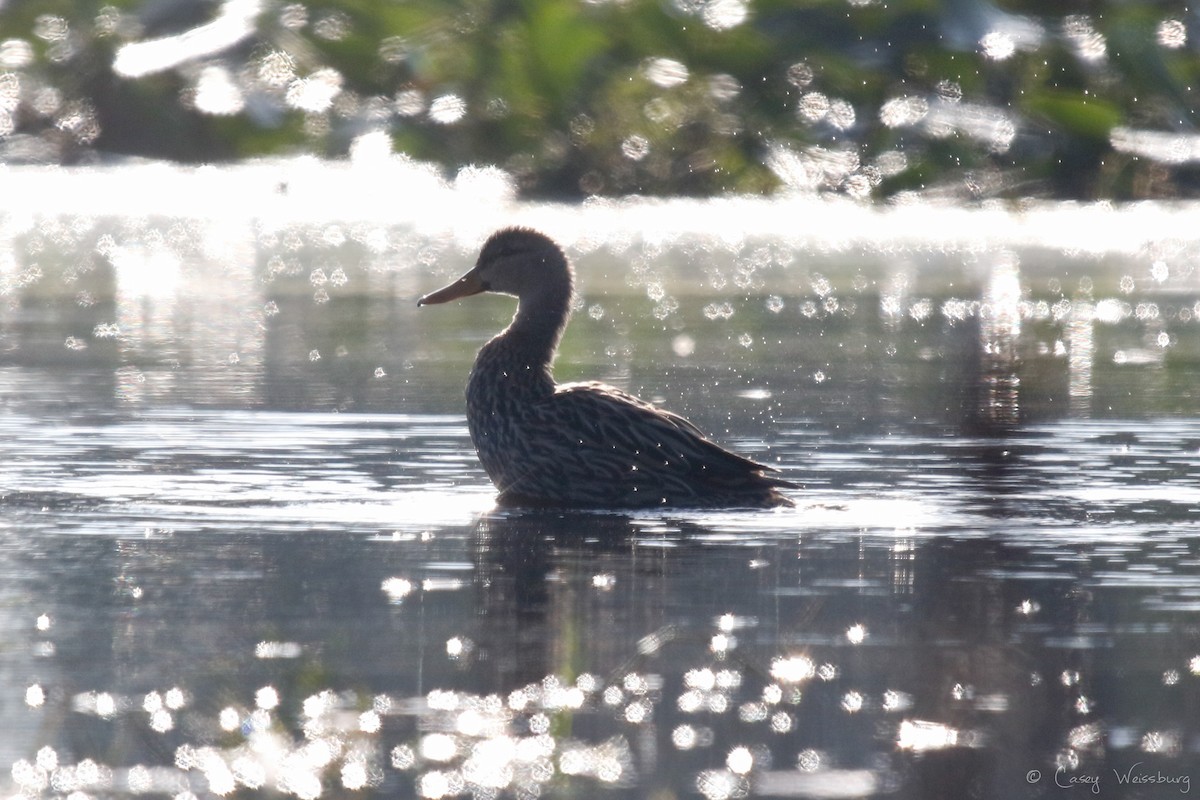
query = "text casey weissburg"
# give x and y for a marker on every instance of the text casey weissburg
(1130, 777)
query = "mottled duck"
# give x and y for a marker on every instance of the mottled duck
(579, 445)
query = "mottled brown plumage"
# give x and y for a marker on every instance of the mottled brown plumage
(579, 445)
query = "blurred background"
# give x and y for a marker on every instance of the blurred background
(574, 98)
(934, 260)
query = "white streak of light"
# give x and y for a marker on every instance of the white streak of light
(233, 24)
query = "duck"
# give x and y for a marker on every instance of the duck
(583, 445)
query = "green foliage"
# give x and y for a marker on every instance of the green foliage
(1076, 114)
(644, 96)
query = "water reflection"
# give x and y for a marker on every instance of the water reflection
(999, 337)
(319, 317)
(1081, 352)
(247, 547)
(567, 653)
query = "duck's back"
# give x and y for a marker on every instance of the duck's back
(592, 445)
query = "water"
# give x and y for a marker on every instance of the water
(245, 543)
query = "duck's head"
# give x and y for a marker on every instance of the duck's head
(515, 261)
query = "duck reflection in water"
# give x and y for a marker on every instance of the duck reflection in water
(540, 575)
(580, 445)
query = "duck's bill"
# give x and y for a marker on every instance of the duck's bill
(465, 286)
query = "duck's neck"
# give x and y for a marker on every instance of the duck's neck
(541, 319)
(525, 350)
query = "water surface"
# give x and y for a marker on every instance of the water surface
(246, 545)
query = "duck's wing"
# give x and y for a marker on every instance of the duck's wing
(590, 438)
